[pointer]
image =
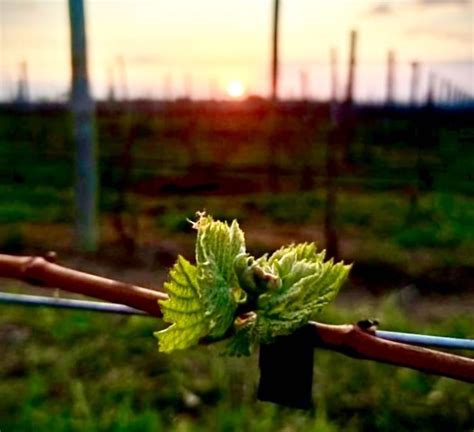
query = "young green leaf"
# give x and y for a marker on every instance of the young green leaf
(293, 305)
(217, 247)
(203, 298)
(184, 309)
(305, 284)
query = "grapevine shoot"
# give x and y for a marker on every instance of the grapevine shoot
(229, 293)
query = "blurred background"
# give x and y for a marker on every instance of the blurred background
(347, 123)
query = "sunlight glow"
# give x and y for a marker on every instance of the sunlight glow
(235, 89)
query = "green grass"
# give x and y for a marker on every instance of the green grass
(440, 220)
(380, 225)
(22, 203)
(72, 371)
(291, 208)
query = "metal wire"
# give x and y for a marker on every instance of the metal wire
(427, 340)
(94, 306)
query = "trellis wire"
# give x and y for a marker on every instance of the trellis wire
(94, 306)
(433, 341)
(55, 302)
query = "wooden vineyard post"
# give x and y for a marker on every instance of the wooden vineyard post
(273, 144)
(124, 218)
(347, 122)
(351, 69)
(23, 94)
(331, 160)
(390, 78)
(415, 78)
(415, 138)
(430, 97)
(82, 106)
(275, 41)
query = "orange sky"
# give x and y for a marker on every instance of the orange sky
(181, 46)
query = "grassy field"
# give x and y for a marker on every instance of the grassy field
(374, 227)
(405, 216)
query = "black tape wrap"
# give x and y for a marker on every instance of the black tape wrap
(286, 370)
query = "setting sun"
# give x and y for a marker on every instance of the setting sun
(235, 89)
